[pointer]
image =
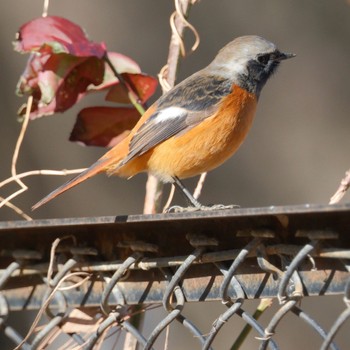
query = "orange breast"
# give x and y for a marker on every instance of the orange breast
(207, 145)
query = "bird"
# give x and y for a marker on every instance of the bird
(198, 124)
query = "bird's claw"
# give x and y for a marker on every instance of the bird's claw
(179, 209)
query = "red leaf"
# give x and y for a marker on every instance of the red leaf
(54, 34)
(78, 77)
(28, 81)
(122, 64)
(103, 126)
(144, 85)
(57, 82)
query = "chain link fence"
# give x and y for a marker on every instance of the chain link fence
(87, 275)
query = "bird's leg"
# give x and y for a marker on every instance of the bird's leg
(193, 202)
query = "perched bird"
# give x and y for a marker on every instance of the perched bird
(198, 124)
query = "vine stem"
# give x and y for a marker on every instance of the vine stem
(167, 78)
(133, 95)
(343, 187)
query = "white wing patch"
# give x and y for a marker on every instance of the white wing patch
(182, 108)
(169, 113)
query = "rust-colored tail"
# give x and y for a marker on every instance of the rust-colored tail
(94, 169)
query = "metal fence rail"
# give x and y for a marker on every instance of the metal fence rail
(107, 264)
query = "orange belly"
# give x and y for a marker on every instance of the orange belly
(207, 145)
(202, 148)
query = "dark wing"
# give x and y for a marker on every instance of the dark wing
(182, 108)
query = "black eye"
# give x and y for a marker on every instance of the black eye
(263, 59)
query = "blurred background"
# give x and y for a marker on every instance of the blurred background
(296, 152)
(298, 148)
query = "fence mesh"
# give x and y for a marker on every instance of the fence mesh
(87, 276)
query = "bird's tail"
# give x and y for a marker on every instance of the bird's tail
(101, 165)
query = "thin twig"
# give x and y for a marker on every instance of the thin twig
(133, 95)
(130, 342)
(50, 338)
(6, 201)
(45, 8)
(343, 187)
(17, 210)
(167, 77)
(16, 153)
(62, 172)
(48, 300)
(264, 304)
(54, 246)
(153, 196)
(176, 41)
(187, 24)
(17, 177)
(162, 79)
(134, 98)
(154, 187)
(20, 140)
(200, 184)
(10, 197)
(170, 198)
(167, 331)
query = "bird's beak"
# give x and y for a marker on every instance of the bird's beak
(284, 56)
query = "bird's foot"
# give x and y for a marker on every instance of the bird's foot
(179, 209)
(220, 207)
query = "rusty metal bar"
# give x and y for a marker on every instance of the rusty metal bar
(231, 255)
(168, 231)
(102, 243)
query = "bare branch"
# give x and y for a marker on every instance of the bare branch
(20, 140)
(170, 198)
(85, 275)
(167, 77)
(16, 153)
(343, 187)
(200, 184)
(17, 210)
(45, 8)
(10, 197)
(63, 172)
(133, 96)
(17, 177)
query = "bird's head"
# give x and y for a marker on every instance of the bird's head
(249, 61)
